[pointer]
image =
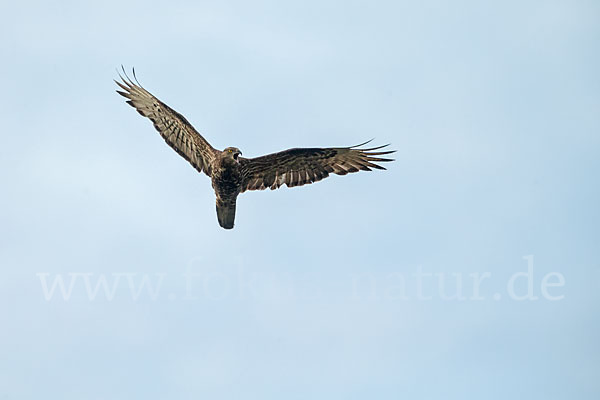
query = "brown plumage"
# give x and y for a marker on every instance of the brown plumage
(232, 174)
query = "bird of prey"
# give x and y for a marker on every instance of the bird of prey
(232, 174)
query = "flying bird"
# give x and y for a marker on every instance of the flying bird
(232, 174)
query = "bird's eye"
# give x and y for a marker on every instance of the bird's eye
(231, 151)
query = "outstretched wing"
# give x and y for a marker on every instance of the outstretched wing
(296, 167)
(171, 125)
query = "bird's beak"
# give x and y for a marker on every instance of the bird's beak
(236, 155)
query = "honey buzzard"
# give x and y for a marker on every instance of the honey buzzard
(232, 174)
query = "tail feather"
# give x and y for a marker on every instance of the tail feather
(226, 214)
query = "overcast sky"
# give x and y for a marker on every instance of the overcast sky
(468, 270)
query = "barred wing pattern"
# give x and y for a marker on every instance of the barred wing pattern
(172, 126)
(296, 167)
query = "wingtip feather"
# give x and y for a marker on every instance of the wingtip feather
(362, 144)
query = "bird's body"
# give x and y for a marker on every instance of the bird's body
(232, 174)
(226, 181)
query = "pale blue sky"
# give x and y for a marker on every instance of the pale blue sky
(494, 111)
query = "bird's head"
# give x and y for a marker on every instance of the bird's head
(232, 152)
